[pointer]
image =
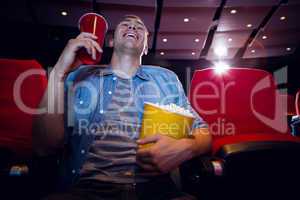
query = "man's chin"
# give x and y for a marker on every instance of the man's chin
(131, 47)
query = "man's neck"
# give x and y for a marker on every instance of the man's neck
(125, 65)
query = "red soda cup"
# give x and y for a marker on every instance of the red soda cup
(97, 25)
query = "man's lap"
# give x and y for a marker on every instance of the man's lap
(157, 189)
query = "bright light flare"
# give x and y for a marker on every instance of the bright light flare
(220, 51)
(221, 67)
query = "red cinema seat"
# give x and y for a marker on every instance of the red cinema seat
(297, 103)
(288, 101)
(253, 151)
(23, 83)
(295, 122)
(241, 105)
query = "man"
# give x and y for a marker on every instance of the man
(103, 114)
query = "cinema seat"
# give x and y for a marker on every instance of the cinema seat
(22, 84)
(295, 122)
(251, 137)
(297, 103)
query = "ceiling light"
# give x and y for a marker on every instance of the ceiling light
(220, 51)
(186, 19)
(282, 18)
(197, 40)
(64, 13)
(221, 67)
(264, 37)
(233, 11)
(249, 25)
(252, 51)
(288, 49)
(162, 53)
(229, 39)
(165, 40)
(193, 53)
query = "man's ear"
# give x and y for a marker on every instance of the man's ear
(146, 50)
(111, 42)
(146, 45)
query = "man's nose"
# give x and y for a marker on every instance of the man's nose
(132, 26)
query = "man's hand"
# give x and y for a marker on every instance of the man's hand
(164, 155)
(68, 60)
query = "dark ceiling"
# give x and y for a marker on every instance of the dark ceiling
(256, 33)
(248, 28)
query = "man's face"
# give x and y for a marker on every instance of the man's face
(131, 34)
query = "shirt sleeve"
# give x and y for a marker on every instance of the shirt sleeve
(184, 102)
(69, 115)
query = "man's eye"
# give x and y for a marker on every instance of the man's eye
(124, 24)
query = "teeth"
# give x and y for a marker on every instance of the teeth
(131, 35)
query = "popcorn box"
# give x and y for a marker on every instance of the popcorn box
(158, 120)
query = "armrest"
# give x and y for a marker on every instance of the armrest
(229, 150)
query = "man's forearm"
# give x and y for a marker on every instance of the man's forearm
(200, 143)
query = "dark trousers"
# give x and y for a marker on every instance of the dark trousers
(162, 188)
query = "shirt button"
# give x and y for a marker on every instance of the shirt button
(101, 111)
(73, 171)
(80, 102)
(109, 92)
(114, 78)
(93, 130)
(82, 151)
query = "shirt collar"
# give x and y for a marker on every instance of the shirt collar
(108, 71)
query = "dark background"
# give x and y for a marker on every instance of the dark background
(43, 42)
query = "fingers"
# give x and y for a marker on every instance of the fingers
(95, 45)
(83, 35)
(149, 139)
(91, 46)
(93, 53)
(90, 38)
(87, 45)
(145, 152)
(149, 169)
(146, 166)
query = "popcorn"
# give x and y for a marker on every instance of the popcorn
(170, 120)
(174, 108)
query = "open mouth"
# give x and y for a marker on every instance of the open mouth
(130, 35)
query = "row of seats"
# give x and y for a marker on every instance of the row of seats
(242, 103)
(242, 107)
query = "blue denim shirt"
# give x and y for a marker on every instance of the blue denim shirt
(88, 91)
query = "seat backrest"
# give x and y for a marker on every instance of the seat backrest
(297, 103)
(239, 101)
(288, 101)
(22, 84)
